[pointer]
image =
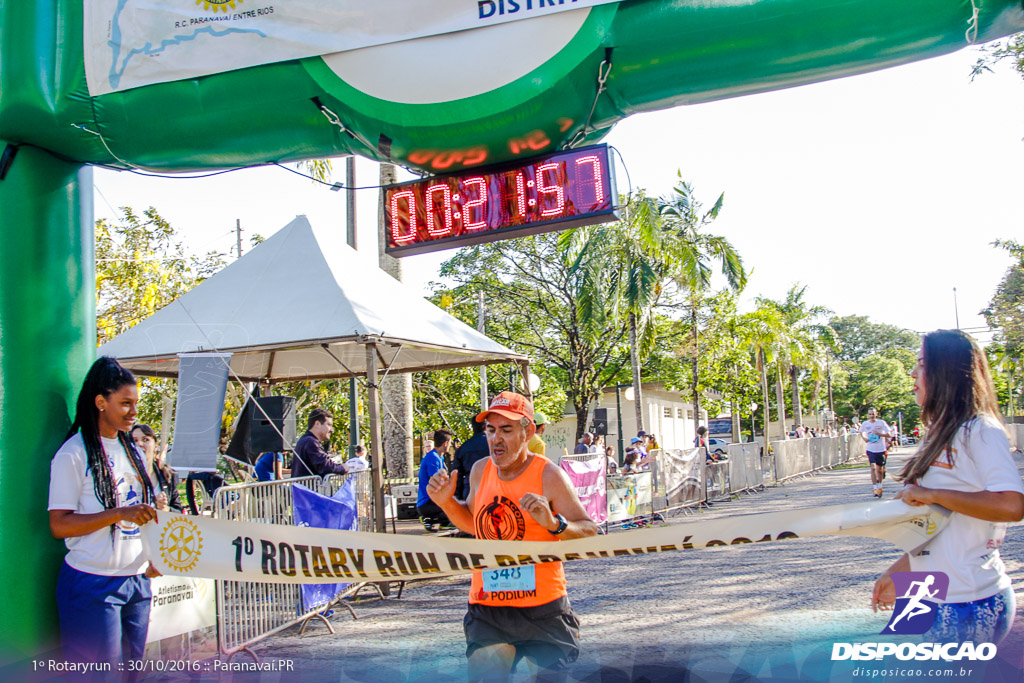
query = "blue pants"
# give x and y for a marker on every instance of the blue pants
(102, 618)
(979, 621)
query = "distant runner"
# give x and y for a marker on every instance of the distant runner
(875, 433)
(516, 612)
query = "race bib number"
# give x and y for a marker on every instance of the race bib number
(872, 438)
(510, 579)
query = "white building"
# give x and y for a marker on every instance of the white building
(666, 415)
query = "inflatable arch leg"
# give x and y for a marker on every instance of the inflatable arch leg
(47, 341)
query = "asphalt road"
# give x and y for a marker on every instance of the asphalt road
(767, 611)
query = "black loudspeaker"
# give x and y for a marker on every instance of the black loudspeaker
(600, 421)
(256, 434)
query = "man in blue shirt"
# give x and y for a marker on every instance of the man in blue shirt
(268, 467)
(431, 464)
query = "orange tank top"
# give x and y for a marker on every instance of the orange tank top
(498, 517)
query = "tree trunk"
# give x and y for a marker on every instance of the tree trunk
(794, 380)
(634, 359)
(737, 431)
(696, 378)
(780, 400)
(582, 413)
(764, 406)
(396, 391)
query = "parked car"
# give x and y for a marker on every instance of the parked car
(718, 446)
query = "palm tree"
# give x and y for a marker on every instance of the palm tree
(621, 272)
(808, 341)
(690, 255)
(766, 334)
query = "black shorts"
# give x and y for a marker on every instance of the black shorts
(877, 458)
(549, 633)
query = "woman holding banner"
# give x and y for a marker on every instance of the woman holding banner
(99, 496)
(964, 465)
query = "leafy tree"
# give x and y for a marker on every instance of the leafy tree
(1005, 312)
(807, 341)
(691, 257)
(858, 337)
(141, 266)
(534, 299)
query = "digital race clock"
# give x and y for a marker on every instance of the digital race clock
(550, 192)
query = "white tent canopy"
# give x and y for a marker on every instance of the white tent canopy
(303, 305)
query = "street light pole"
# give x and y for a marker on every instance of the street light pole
(956, 309)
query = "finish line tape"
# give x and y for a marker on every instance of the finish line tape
(184, 545)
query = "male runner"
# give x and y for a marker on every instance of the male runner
(875, 433)
(516, 495)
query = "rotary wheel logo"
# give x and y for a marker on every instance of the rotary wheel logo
(180, 545)
(221, 5)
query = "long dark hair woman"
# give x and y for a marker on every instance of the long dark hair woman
(99, 496)
(964, 465)
(165, 481)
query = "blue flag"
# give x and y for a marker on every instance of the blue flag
(316, 510)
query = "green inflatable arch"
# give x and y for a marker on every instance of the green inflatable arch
(437, 103)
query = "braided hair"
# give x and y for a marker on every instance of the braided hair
(104, 378)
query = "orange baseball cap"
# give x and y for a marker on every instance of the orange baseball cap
(508, 404)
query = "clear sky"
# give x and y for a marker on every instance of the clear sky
(880, 192)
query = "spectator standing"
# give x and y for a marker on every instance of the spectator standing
(163, 478)
(269, 467)
(432, 463)
(612, 463)
(466, 456)
(583, 447)
(536, 444)
(358, 462)
(310, 456)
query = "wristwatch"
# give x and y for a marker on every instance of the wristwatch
(562, 524)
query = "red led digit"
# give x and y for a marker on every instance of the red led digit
(595, 176)
(544, 189)
(446, 204)
(521, 193)
(396, 226)
(480, 202)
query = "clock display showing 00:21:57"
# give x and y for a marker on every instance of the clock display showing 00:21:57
(550, 192)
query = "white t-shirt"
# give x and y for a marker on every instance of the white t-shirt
(874, 430)
(71, 488)
(968, 548)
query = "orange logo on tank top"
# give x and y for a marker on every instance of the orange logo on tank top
(500, 520)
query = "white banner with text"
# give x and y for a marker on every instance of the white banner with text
(128, 45)
(241, 551)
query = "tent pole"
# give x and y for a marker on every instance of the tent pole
(524, 368)
(376, 444)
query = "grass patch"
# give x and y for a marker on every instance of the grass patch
(853, 466)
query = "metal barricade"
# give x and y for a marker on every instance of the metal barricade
(363, 491)
(768, 473)
(680, 477)
(792, 458)
(249, 611)
(744, 465)
(716, 481)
